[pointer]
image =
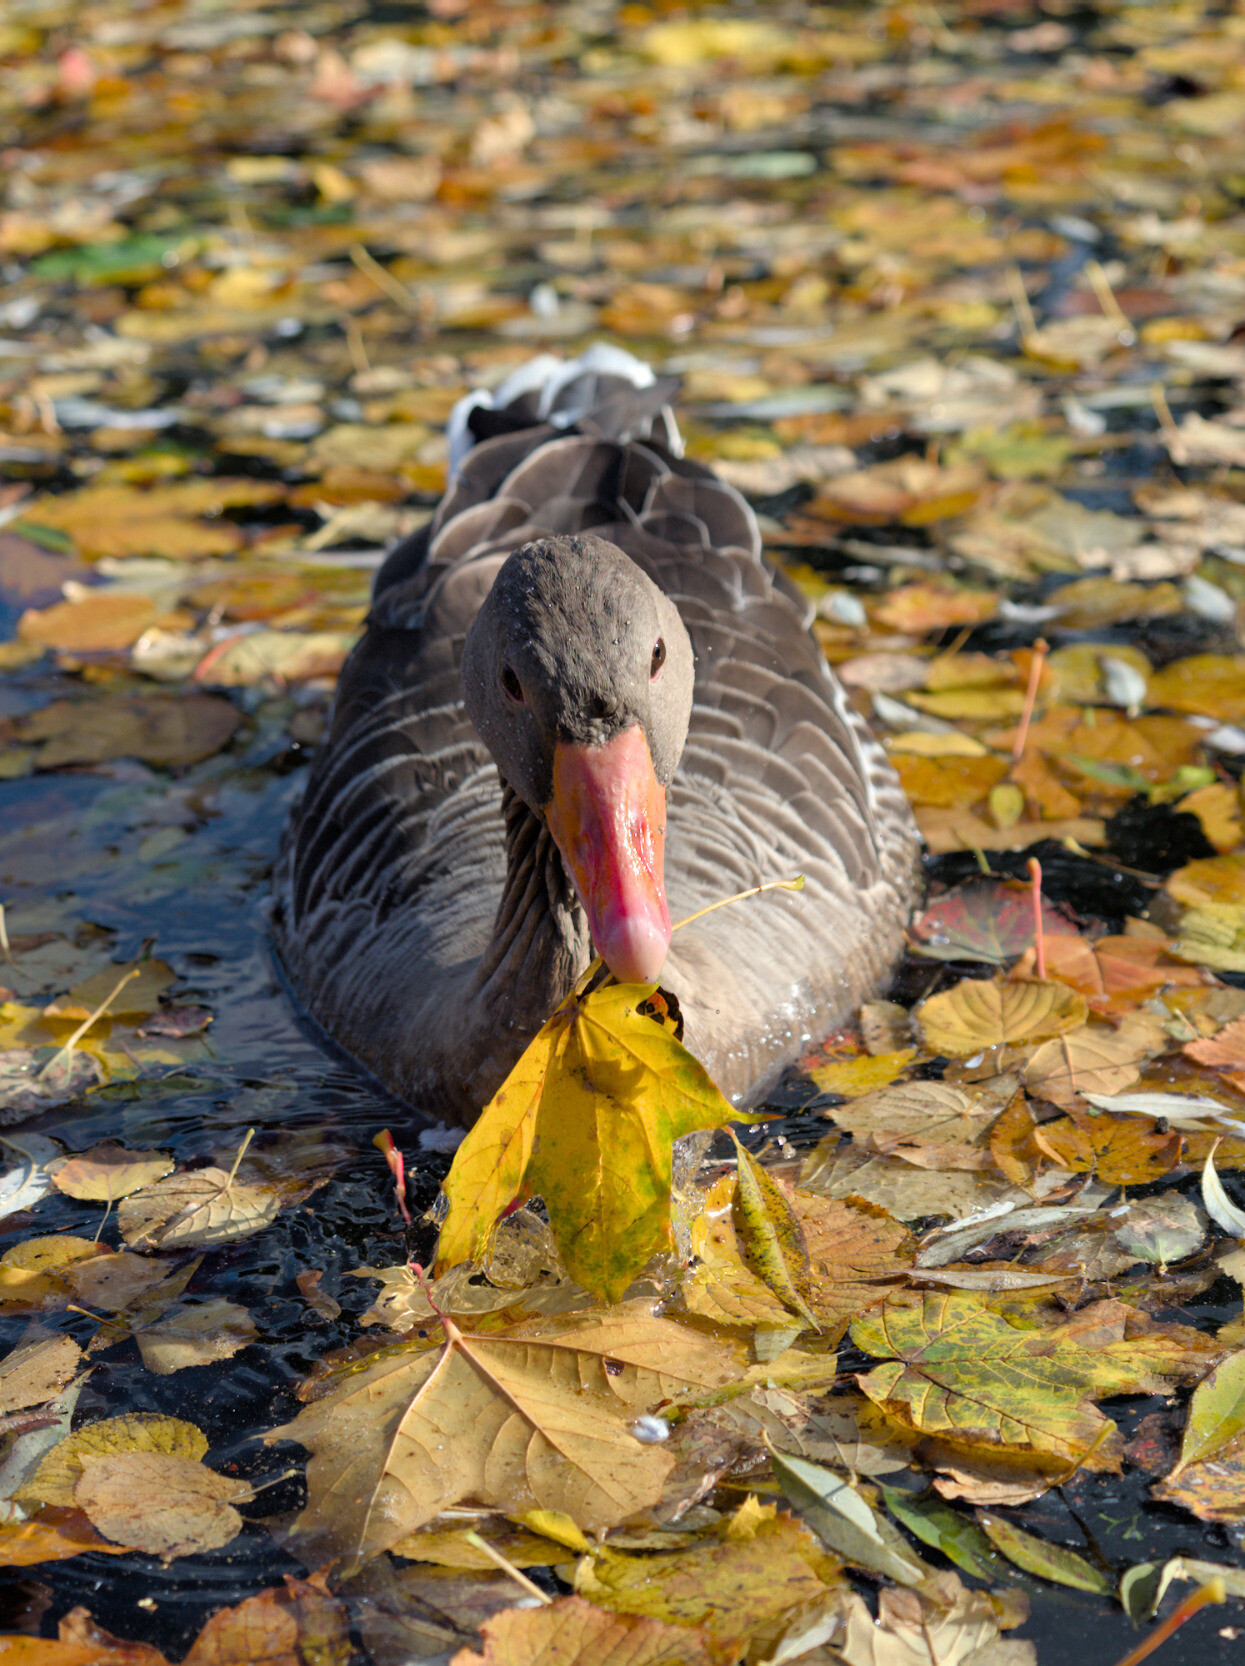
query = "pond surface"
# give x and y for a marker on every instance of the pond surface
(958, 297)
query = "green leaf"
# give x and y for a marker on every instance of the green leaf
(846, 1522)
(960, 1540)
(1047, 1561)
(1216, 1412)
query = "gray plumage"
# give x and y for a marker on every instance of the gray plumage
(421, 908)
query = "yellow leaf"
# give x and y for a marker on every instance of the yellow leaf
(1218, 808)
(770, 1234)
(571, 1630)
(59, 1472)
(137, 999)
(586, 1119)
(854, 1077)
(1213, 879)
(976, 1014)
(1210, 685)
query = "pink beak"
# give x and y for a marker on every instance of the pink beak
(608, 818)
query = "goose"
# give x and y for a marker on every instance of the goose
(584, 705)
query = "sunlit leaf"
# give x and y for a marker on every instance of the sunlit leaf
(974, 1014)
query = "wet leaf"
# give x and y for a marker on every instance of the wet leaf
(54, 1535)
(535, 1418)
(771, 1236)
(1047, 1561)
(298, 1624)
(158, 1502)
(165, 731)
(571, 1629)
(1216, 1415)
(37, 1371)
(204, 1206)
(974, 1015)
(958, 1369)
(846, 1523)
(108, 1172)
(586, 1119)
(984, 922)
(942, 1625)
(195, 1335)
(53, 1482)
(1093, 1060)
(958, 1537)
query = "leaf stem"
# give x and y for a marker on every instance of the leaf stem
(86, 1023)
(1040, 650)
(796, 884)
(1039, 941)
(506, 1566)
(237, 1162)
(1212, 1591)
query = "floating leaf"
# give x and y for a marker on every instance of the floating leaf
(108, 1172)
(159, 1502)
(529, 1419)
(1216, 1413)
(992, 921)
(195, 1334)
(37, 1371)
(53, 1482)
(205, 1206)
(1093, 1060)
(974, 1015)
(958, 1538)
(770, 1235)
(1047, 1561)
(571, 1629)
(845, 1521)
(297, 1622)
(1218, 1205)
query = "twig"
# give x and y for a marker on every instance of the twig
(1212, 1591)
(1105, 295)
(355, 345)
(4, 936)
(796, 884)
(1039, 942)
(1040, 651)
(507, 1567)
(1020, 301)
(393, 287)
(86, 1023)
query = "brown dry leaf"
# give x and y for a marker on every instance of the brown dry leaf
(53, 1535)
(119, 1281)
(202, 1207)
(108, 1172)
(946, 830)
(136, 999)
(165, 731)
(1092, 1059)
(36, 1371)
(159, 1503)
(942, 1624)
(195, 1335)
(1212, 1491)
(122, 521)
(1120, 1151)
(1224, 1051)
(976, 1014)
(735, 1584)
(59, 1471)
(536, 1417)
(300, 1624)
(572, 1630)
(99, 621)
(80, 1642)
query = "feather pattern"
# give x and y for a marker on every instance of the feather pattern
(423, 913)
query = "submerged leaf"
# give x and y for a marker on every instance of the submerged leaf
(159, 1502)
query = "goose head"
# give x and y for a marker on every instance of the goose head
(577, 673)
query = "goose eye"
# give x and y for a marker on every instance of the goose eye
(659, 658)
(512, 685)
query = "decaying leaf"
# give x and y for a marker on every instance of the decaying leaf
(294, 1623)
(204, 1206)
(159, 1502)
(942, 1625)
(53, 1482)
(195, 1334)
(974, 1015)
(572, 1629)
(540, 1417)
(991, 921)
(36, 1371)
(1216, 1417)
(108, 1172)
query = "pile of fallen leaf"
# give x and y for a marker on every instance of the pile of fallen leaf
(957, 297)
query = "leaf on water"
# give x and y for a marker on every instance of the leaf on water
(136, 998)
(195, 1334)
(1213, 1490)
(30, 1178)
(958, 1369)
(770, 1234)
(37, 1371)
(586, 1120)
(1226, 1049)
(158, 1502)
(863, 1074)
(448, 1547)
(992, 921)
(33, 1079)
(571, 1629)
(1216, 1416)
(754, 1568)
(53, 1482)
(1218, 1205)
(54, 1535)
(167, 731)
(296, 1623)
(943, 1624)
(108, 1172)
(974, 1015)
(1162, 1229)
(539, 1417)
(201, 1207)
(958, 1538)
(1047, 1561)
(846, 1522)
(120, 1282)
(1119, 1151)
(38, 1270)
(1091, 1060)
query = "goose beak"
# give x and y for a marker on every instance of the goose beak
(608, 818)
